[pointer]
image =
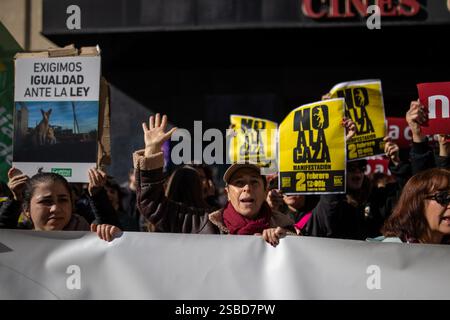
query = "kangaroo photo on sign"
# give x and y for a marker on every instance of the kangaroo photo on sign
(56, 115)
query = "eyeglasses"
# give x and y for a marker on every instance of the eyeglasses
(442, 197)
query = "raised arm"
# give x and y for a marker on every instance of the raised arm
(422, 156)
(98, 199)
(166, 215)
(400, 169)
(154, 135)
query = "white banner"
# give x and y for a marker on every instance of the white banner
(78, 265)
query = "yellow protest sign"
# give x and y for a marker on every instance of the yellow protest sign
(312, 149)
(364, 105)
(254, 141)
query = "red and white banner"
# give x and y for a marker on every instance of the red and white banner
(378, 164)
(435, 97)
(400, 132)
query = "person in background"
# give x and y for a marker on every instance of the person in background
(422, 156)
(347, 216)
(82, 203)
(176, 190)
(209, 189)
(114, 194)
(297, 207)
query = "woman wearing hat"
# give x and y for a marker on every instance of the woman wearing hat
(246, 212)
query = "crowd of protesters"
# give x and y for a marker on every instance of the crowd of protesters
(412, 206)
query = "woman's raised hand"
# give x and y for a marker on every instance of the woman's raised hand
(154, 135)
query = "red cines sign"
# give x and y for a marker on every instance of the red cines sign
(351, 8)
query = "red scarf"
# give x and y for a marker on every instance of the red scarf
(238, 224)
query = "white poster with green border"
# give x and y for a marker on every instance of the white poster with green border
(56, 115)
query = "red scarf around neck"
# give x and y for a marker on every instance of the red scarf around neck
(238, 224)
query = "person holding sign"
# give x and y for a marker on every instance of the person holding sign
(364, 105)
(294, 206)
(435, 96)
(422, 214)
(421, 154)
(365, 207)
(354, 215)
(246, 211)
(46, 200)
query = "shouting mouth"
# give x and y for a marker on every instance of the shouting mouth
(247, 201)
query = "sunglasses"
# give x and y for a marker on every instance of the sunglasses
(442, 197)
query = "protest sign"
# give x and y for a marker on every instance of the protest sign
(364, 105)
(377, 164)
(56, 115)
(400, 133)
(254, 141)
(435, 97)
(312, 149)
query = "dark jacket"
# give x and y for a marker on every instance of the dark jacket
(334, 217)
(129, 215)
(423, 158)
(102, 208)
(170, 216)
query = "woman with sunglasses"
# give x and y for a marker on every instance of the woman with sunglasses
(422, 214)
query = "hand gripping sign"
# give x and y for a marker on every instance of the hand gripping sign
(435, 97)
(254, 141)
(312, 149)
(364, 105)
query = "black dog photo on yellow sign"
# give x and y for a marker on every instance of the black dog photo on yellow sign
(312, 149)
(364, 105)
(254, 140)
